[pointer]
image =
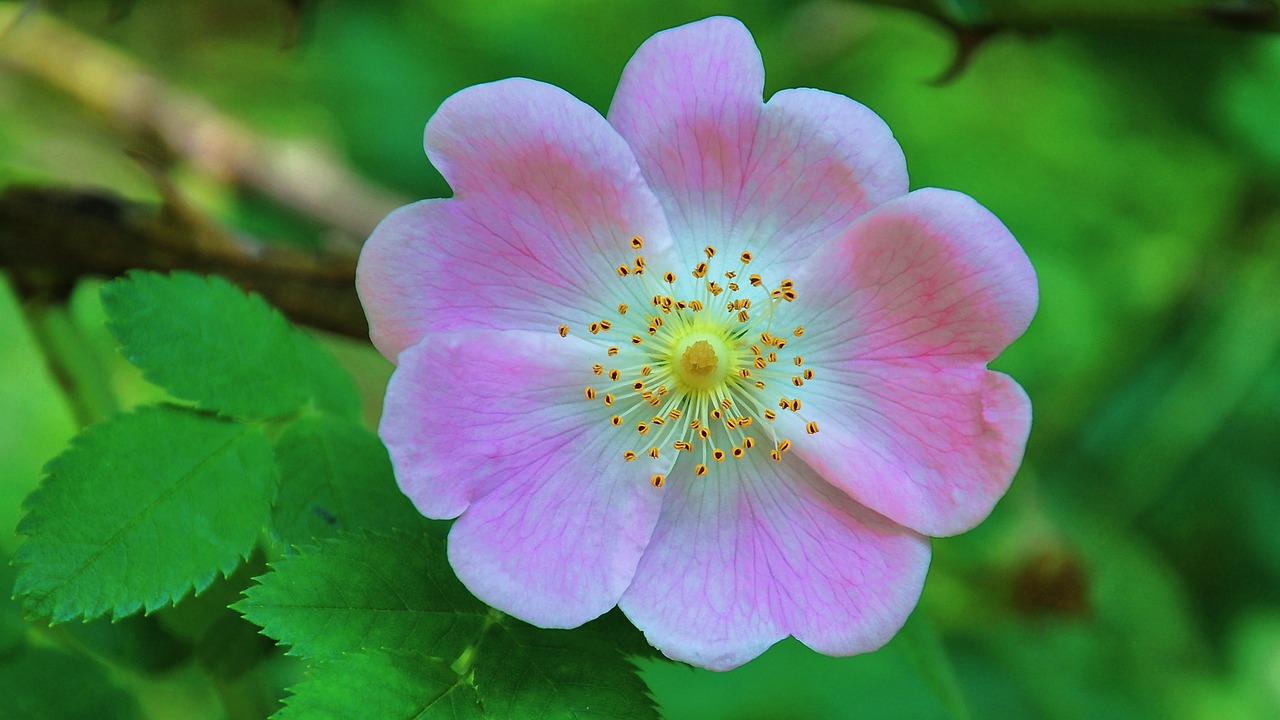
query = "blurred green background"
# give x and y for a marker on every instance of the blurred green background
(1133, 571)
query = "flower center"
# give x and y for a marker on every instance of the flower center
(698, 361)
(695, 358)
(699, 372)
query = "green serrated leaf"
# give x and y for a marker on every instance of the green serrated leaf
(141, 509)
(335, 477)
(367, 591)
(332, 388)
(526, 672)
(13, 628)
(380, 684)
(203, 339)
(616, 629)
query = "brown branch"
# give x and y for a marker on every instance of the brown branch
(297, 174)
(50, 238)
(1251, 15)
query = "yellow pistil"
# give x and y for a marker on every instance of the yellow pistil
(699, 359)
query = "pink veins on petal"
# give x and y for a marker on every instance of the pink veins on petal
(707, 359)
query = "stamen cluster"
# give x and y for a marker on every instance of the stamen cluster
(693, 370)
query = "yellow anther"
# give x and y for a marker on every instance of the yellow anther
(759, 384)
(608, 399)
(737, 451)
(744, 373)
(642, 427)
(797, 360)
(674, 414)
(670, 277)
(700, 270)
(700, 470)
(704, 433)
(638, 385)
(785, 445)
(564, 331)
(623, 271)
(812, 427)
(797, 380)
(777, 456)
(710, 251)
(794, 405)
(743, 316)
(773, 357)
(645, 370)
(808, 373)
(695, 305)
(628, 456)
(597, 368)
(770, 415)
(726, 403)
(718, 454)
(733, 286)
(590, 392)
(594, 328)
(746, 257)
(622, 308)
(786, 284)
(616, 420)
(640, 261)
(788, 295)
(760, 362)
(614, 374)
(613, 350)
(716, 414)
(637, 242)
(798, 331)
(605, 324)
(755, 280)
(748, 442)
(636, 340)
(653, 453)
(657, 480)
(730, 274)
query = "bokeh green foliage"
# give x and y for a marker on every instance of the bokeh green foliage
(1133, 570)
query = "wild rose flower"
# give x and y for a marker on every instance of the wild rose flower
(707, 360)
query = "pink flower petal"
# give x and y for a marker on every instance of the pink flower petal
(547, 199)
(901, 316)
(777, 179)
(760, 550)
(496, 424)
